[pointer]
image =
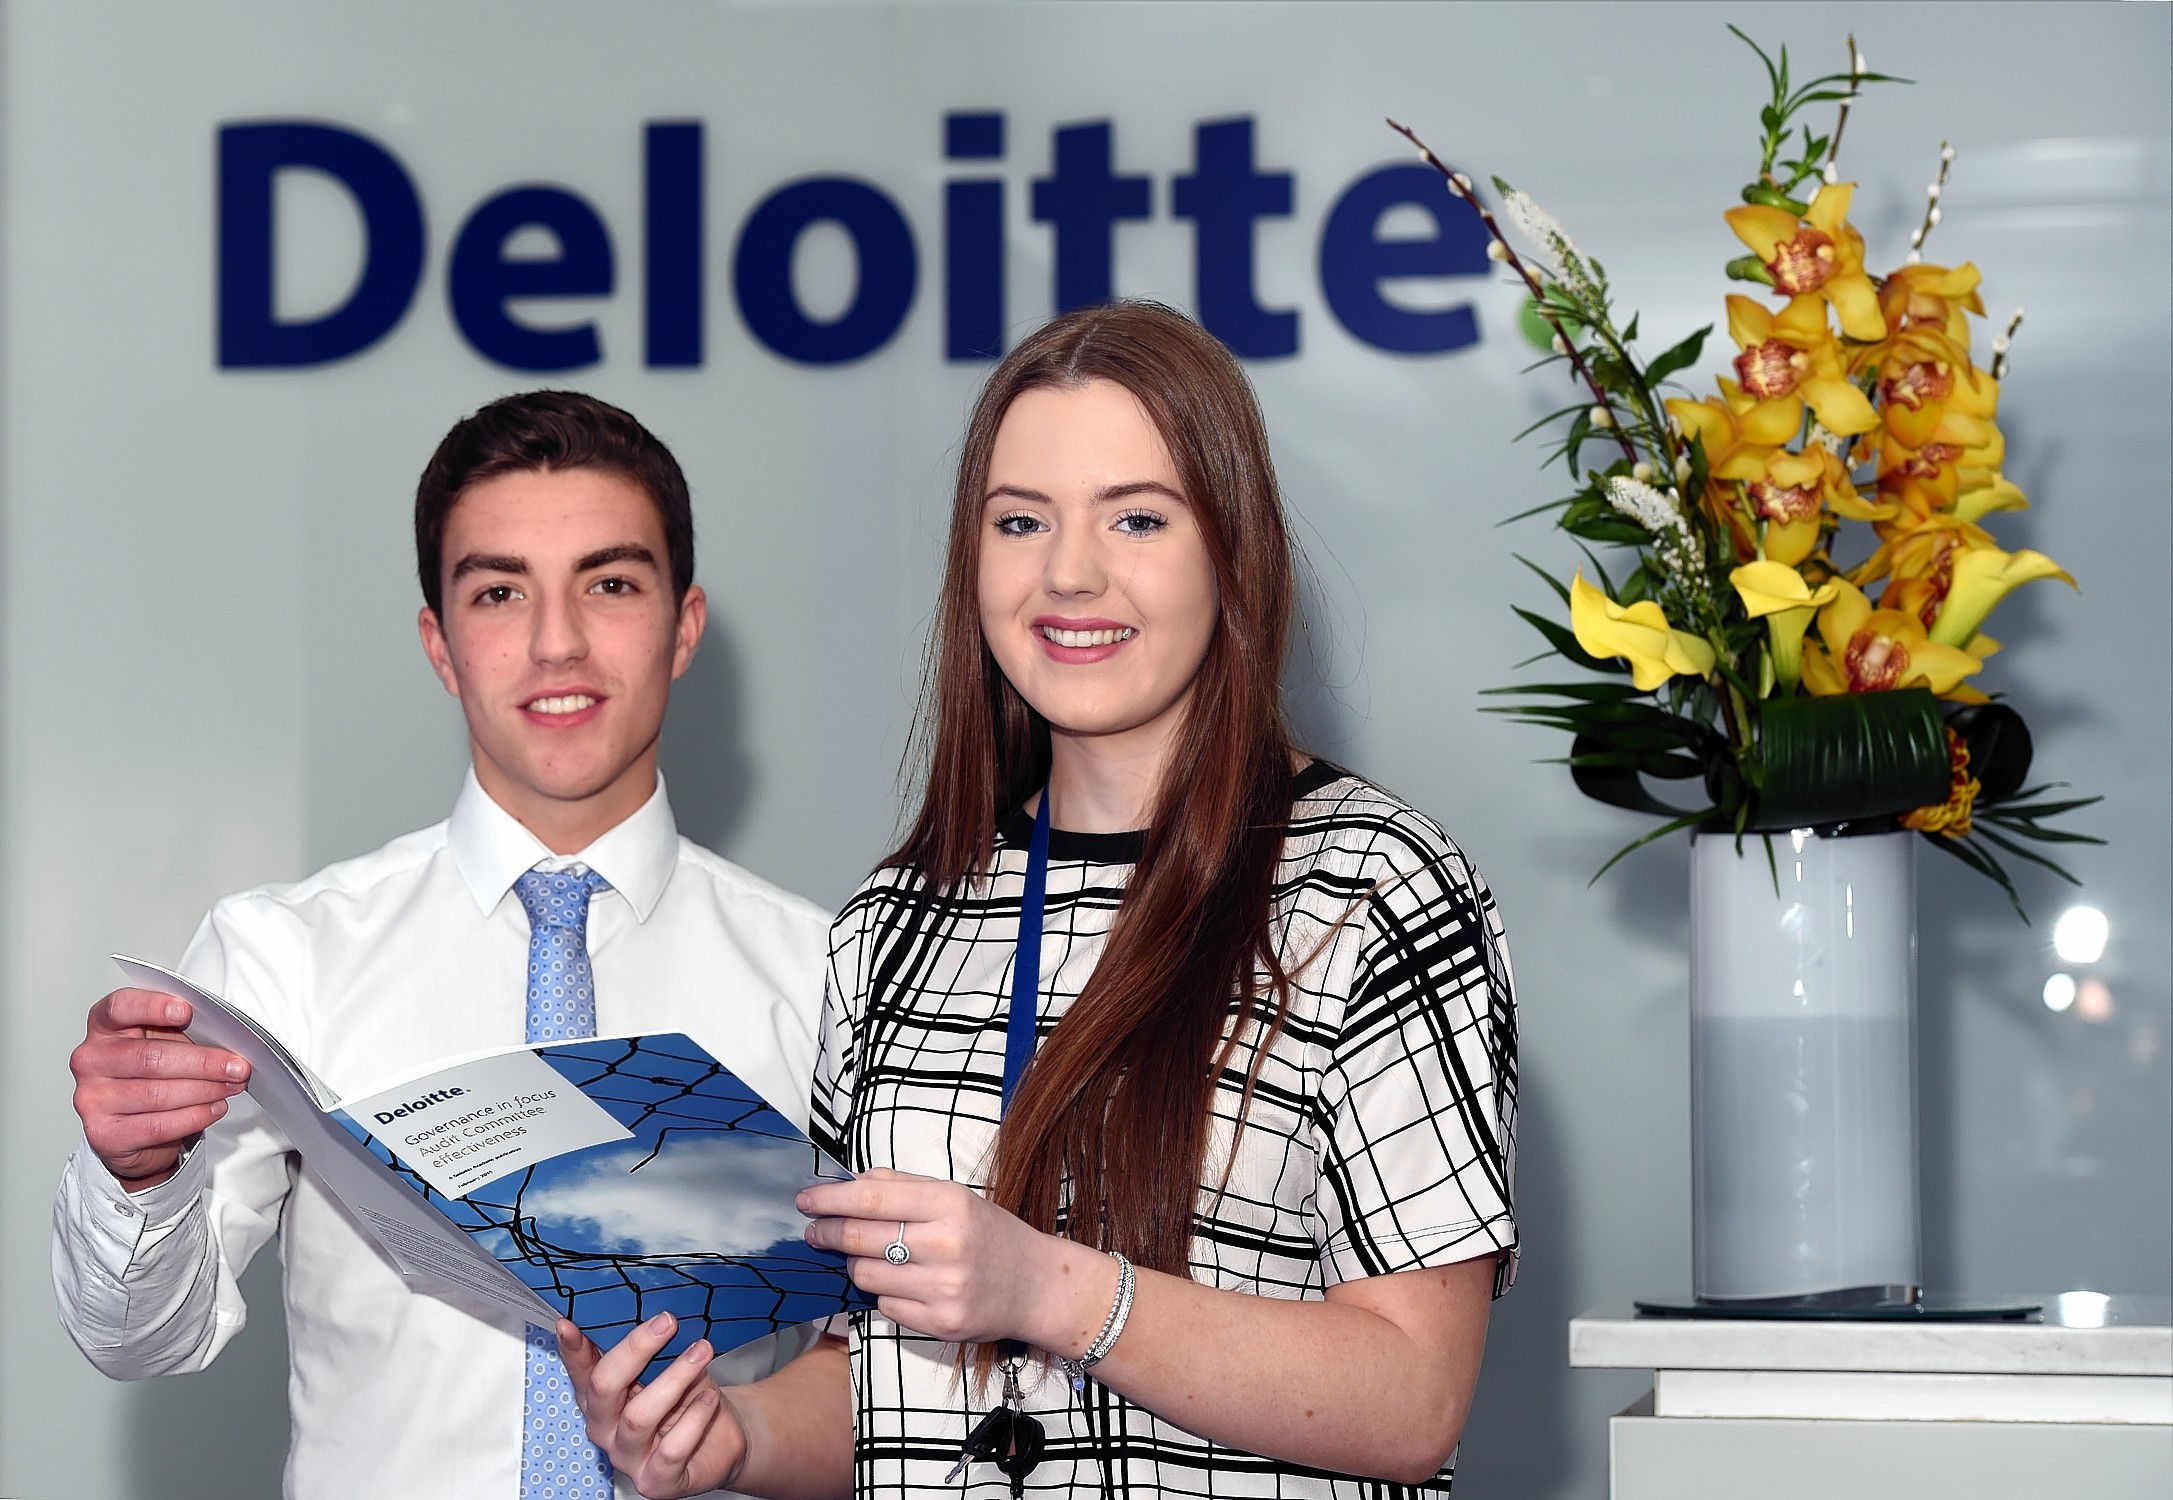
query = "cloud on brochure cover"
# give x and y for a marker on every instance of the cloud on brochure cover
(702, 1195)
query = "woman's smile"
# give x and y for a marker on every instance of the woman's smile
(1081, 642)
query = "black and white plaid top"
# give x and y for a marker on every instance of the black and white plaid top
(1380, 1136)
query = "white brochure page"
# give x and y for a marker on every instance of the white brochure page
(418, 1241)
(463, 1127)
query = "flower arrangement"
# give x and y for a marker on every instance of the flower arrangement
(1801, 614)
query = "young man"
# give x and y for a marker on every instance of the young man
(555, 546)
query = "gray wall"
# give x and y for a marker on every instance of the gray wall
(206, 638)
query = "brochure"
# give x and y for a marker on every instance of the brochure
(604, 1180)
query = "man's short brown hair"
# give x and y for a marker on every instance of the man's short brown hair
(545, 431)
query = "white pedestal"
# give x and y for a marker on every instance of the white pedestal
(2081, 1403)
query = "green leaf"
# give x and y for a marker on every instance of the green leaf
(1600, 692)
(1999, 748)
(1616, 530)
(1561, 589)
(2020, 852)
(1552, 416)
(1681, 357)
(1984, 865)
(1849, 757)
(1616, 785)
(1523, 515)
(1686, 821)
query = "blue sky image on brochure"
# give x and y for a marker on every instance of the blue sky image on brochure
(687, 1210)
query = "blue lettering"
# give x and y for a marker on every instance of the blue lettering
(973, 242)
(883, 249)
(482, 280)
(1223, 197)
(1355, 260)
(673, 310)
(1083, 199)
(251, 157)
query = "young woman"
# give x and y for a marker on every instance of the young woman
(1239, 1231)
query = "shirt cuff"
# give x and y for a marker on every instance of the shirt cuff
(153, 1206)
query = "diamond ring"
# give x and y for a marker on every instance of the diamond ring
(895, 1252)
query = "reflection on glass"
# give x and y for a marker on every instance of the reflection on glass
(2080, 935)
(2059, 992)
(2082, 1309)
(2094, 1001)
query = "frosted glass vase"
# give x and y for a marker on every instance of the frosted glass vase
(1803, 1069)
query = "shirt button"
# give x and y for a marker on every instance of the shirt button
(124, 1209)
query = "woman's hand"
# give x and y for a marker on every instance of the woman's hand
(678, 1435)
(976, 1272)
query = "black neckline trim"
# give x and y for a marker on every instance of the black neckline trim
(1015, 829)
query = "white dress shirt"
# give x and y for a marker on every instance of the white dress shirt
(367, 969)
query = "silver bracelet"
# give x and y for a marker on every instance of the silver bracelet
(1113, 1325)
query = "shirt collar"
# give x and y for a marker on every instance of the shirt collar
(492, 850)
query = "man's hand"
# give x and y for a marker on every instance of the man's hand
(145, 1092)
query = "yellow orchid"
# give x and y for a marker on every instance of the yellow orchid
(1923, 295)
(1738, 430)
(1819, 255)
(1740, 434)
(1982, 577)
(1951, 817)
(1920, 548)
(1791, 357)
(1870, 650)
(1780, 596)
(1930, 392)
(1638, 633)
(1793, 494)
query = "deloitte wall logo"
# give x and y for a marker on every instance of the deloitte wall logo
(1082, 199)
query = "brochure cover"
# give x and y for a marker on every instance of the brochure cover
(604, 1180)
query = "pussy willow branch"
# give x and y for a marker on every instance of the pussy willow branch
(1462, 189)
(1931, 202)
(1856, 68)
(2002, 344)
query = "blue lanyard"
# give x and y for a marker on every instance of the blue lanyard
(1026, 966)
(1026, 985)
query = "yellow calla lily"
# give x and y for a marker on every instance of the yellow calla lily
(1638, 633)
(1778, 595)
(1983, 491)
(1870, 650)
(1982, 577)
(1769, 588)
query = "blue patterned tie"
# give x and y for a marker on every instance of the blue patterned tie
(558, 1462)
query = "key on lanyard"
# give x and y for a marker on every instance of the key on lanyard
(1007, 1436)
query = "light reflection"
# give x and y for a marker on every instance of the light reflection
(2079, 936)
(2094, 1001)
(2082, 1309)
(2059, 992)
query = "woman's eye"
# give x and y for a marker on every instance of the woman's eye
(1140, 523)
(1019, 524)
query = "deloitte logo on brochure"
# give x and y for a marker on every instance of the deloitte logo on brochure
(1082, 198)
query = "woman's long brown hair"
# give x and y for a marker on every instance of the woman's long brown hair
(1117, 1106)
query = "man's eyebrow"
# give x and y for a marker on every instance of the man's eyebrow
(623, 552)
(1101, 496)
(489, 562)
